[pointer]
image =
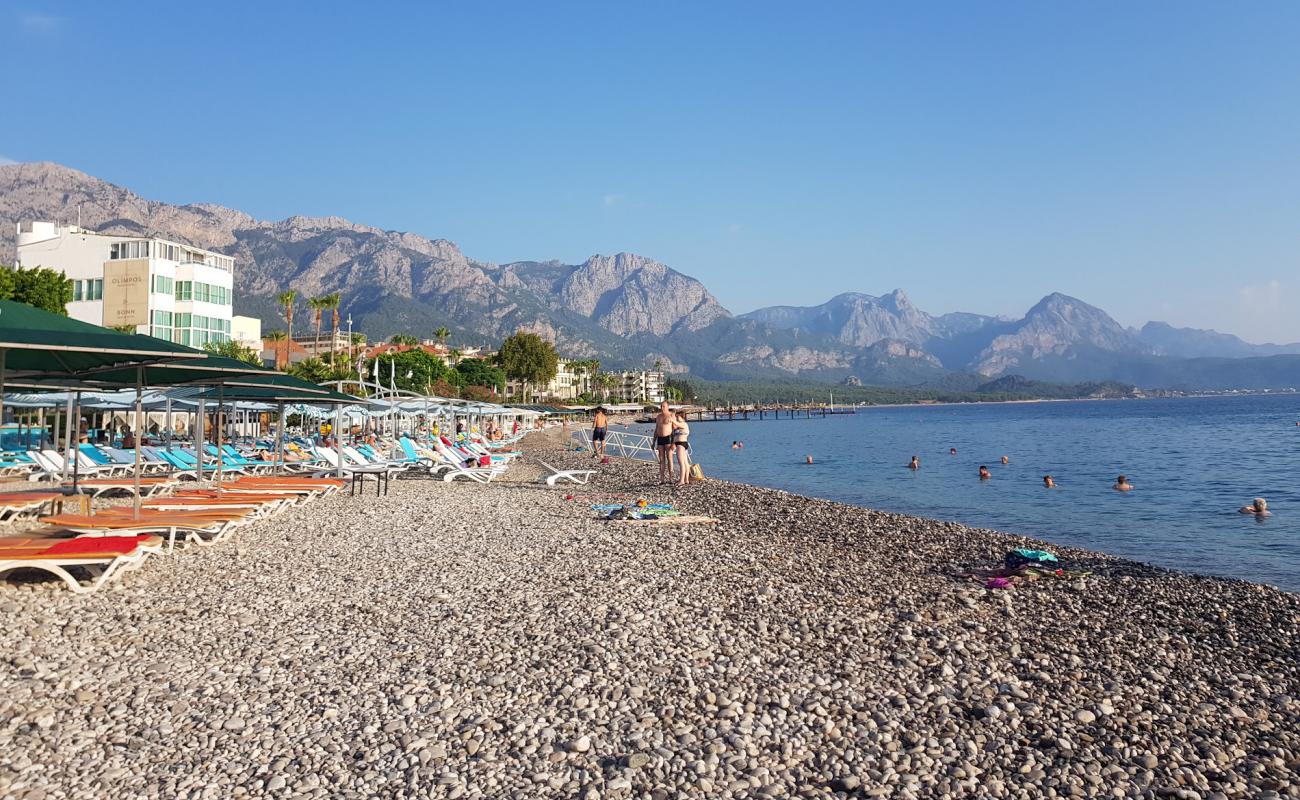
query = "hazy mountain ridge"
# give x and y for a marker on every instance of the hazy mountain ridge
(630, 310)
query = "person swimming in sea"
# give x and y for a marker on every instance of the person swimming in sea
(1122, 484)
(1258, 507)
(735, 445)
(1006, 460)
(1049, 482)
(984, 473)
(807, 459)
(915, 463)
(952, 451)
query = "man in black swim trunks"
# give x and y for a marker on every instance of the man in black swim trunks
(599, 427)
(664, 441)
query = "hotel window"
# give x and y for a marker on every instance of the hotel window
(162, 284)
(77, 291)
(95, 289)
(184, 290)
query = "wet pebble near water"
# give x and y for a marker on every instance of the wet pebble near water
(499, 641)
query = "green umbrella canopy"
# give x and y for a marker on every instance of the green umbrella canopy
(212, 369)
(37, 342)
(267, 394)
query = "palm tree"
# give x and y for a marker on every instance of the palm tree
(278, 336)
(287, 299)
(332, 302)
(454, 355)
(442, 334)
(317, 304)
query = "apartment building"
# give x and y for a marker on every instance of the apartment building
(159, 287)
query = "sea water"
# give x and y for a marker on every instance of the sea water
(1193, 462)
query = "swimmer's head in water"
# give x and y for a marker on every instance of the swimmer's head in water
(1006, 460)
(952, 451)
(1260, 505)
(984, 471)
(1121, 480)
(1048, 482)
(807, 459)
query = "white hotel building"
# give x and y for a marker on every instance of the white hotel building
(189, 289)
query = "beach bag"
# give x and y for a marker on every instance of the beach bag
(697, 472)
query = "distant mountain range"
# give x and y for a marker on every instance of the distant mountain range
(629, 310)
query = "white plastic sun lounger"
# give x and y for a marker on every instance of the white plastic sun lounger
(453, 468)
(59, 556)
(578, 476)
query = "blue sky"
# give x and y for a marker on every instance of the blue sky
(1144, 157)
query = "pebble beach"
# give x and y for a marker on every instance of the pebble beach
(500, 641)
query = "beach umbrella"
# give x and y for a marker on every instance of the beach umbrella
(35, 342)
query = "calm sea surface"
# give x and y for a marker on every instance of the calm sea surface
(1193, 463)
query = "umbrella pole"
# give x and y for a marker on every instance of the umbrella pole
(199, 436)
(3, 352)
(279, 442)
(76, 459)
(67, 439)
(167, 437)
(338, 441)
(139, 440)
(221, 389)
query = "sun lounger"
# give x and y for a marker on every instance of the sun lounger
(195, 528)
(578, 476)
(332, 459)
(16, 505)
(453, 467)
(102, 557)
(285, 484)
(259, 505)
(148, 486)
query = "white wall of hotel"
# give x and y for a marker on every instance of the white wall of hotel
(247, 331)
(191, 289)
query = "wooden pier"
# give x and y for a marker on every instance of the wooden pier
(796, 411)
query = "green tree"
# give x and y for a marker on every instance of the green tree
(312, 370)
(478, 372)
(405, 339)
(416, 370)
(442, 334)
(528, 358)
(233, 349)
(47, 289)
(287, 300)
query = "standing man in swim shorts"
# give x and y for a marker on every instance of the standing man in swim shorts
(599, 427)
(664, 441)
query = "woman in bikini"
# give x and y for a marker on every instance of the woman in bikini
(682, 447)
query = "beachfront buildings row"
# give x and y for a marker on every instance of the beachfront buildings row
(572, 380)
(159, 287)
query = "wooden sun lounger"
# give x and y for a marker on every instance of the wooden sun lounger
(191, 527)
(260, 506)
(148, 486)
(103, 557)
(15, 505)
